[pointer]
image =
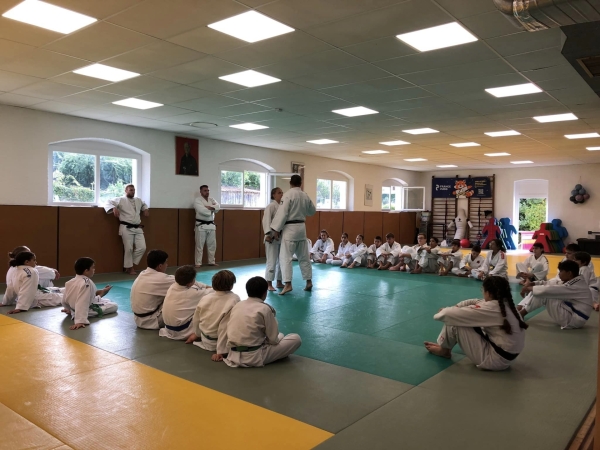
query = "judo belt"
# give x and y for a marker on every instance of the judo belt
(204, 222)
(148, 314)
(579, 313)
(594, 287)
(501, 352)
(244, 349)
(130, 225)
(294, 221)
(180, 327)
(95, 307)
(208, 337)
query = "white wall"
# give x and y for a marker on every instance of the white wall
(25, 135)
(578, 219)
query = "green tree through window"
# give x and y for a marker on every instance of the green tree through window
(532, 213)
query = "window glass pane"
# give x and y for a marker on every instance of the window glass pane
(254, 189)
(115, 174)
(339, 195)
(231, 187)
(395, 195)
(413, 198)
(323, 194)
(73, 177)
(532, 213)
(385, 197)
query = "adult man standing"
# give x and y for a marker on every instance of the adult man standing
(289, 223)
(127, 209)
(206, 232)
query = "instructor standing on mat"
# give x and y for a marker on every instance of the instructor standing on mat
(206, 232)
(288, 226)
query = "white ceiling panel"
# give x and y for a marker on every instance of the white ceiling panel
(48, 90)
(461, 72)
(309, 64)
(75, 79)
(208, 104)
(380, 49)
(524, 42)
(138, 86)
(43, 64)
(25, 34)
(153, 57)
(200, 69)
(10, 81)
(89, 99)
(57, 107)
(355, 74)
(19, 100)
(175, 94)
(206, 40)
(490, 25)
(95, 8)
(10, 50)
(539, 59)
(466, 8)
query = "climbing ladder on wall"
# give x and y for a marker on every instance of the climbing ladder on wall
(443, 211)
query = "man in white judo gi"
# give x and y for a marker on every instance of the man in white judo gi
(272, 246)
(289, 225)
(127, 209)
(206, 232)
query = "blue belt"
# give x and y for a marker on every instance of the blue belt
(579, 313)
(180, 327)
(500, 351)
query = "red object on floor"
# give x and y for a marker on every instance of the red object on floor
(491, 231)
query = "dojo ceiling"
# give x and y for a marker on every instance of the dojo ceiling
(342, 56)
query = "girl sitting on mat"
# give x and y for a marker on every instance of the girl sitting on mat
(489, 336)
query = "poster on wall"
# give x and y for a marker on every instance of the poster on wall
(186, 156)
(480, 187)
(298, 167)
(368, 195)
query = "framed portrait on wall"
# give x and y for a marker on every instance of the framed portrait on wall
(296, 167)
(368, 195)
(186, 156)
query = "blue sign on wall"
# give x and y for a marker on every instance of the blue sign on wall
(480, 187)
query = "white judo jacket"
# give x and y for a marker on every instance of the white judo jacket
(129, 211)
(296, 205)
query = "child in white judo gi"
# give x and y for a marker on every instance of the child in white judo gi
(449, 260)
(470, 262)
(212, 315)
(344, 248)
(252, 336)
(583, 259)
(569, 304)
(23, 286)
(272, 246)
(372, 253)
(489, 335)
(180, 304)
(356, 256)
(47, 274)
(387, 254)
(81, 299)
(323, 248)
(494, 263)
(409, 255)
(428, 258)
(535, 267)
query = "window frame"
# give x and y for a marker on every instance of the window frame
(331, 180)
(245, 166)
(400, 193)
(402, 203)
(136, 178)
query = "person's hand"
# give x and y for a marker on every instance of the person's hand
(146, 212)
(481, 276)
(77, 326)
(276, 235)
(210, 208)
(56, 274)
(116, 212)
(217, 357)
(268, 239)
(191, 338)
(14, 311)
(104, 291)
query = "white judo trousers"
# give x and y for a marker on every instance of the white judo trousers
(209, 237)
(287, 250)
(134, 244)
(272, 249)
(266, 354)
(476, 348)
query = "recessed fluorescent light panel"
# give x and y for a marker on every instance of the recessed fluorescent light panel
(375, 152)
(248, 126)
(466, 144)
(106, 73)
(357, 111)
(556, 118)
(251, 27)
(50, 17)
(323, 142)
(137, 103)
(415, 159)
(497, 154)
(521, 162)
(518, 89)
(250, 78)
(503, 133)
(421, 131)
(392, 143)
(582, 136)
(446, 166)
(592, 149)
(442, 36)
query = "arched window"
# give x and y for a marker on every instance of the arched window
(332, 191)
(87, 172)
(244, 183)
(391, 194)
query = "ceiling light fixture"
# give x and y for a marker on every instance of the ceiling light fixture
(592, 149)
(356, 111)
(137, 103)
(582, 136)
(446, 166)
(251, 27)
(502, 133)
(556, 118)
(248, 126)
(375, 152)
(106, 73)
(521, 162)
(392, 143)
(511, 91)
(250, 78)
(497, 154)
(466, 144)
(421, 131)
(50, 17)
(415, 159)
(323, 142)
(442, 36)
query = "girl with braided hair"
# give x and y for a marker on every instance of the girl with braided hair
(491, 331)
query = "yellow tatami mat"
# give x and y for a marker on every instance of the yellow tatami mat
(88, 398)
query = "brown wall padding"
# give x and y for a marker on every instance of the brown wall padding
(391, 224)
(161, 230)
(332, 222)
(89, 232)
(242, 228)
(312, 226)
(353, 224)
(187, 241)
(407, 233)
(261, 237)
(33, 226)
(373, 226)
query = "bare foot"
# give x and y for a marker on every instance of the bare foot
(351, 266)
(271, 288)
(214, 264)
(417, 271)
(130, 271)
(308, 286)
(522, 311)
(198, 267)
(287, 288)
(436, 350)
(596, 306)
(394, 268)
(66, 311)
(344, 266)
(402, 268)
(384, 266)
(279, 285)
